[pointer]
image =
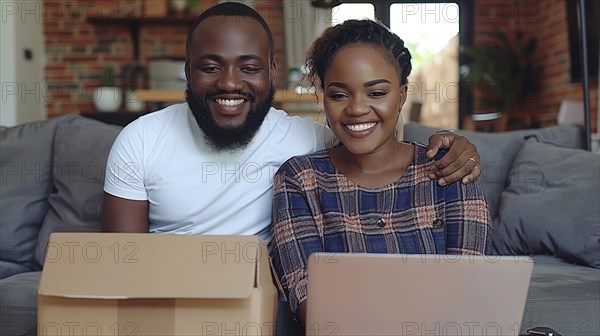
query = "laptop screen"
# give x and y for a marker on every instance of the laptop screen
(396, 294)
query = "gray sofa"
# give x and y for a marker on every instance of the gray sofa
(544, 199)
(52, 178)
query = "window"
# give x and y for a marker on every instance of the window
(349, 11)
(425, 27)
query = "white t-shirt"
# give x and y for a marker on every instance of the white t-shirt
(163, 158)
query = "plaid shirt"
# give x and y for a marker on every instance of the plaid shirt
(318, 209)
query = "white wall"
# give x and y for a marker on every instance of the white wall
(22, 86)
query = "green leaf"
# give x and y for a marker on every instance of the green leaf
(507, 65)
(108, 78)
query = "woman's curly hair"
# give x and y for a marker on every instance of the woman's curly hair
(334, 38)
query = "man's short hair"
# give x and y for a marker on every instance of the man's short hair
(232, 9)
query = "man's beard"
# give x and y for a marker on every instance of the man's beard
(229, 138)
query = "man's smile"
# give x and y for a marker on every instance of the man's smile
(229, 108)
(229, 102)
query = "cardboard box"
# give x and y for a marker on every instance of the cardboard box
(152, 284)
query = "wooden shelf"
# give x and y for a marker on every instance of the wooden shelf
(160, 96)
(175, 96)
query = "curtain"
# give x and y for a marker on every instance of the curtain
(302, 24)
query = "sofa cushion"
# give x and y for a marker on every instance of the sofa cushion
(81, 149)
(8, 268)
(26, 178)
(564, 297)
(498, 150)
(551, 205)
(18, 304)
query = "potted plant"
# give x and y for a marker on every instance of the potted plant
(108, 96)
(503, 73)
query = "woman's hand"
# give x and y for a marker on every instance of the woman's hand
(461, 162)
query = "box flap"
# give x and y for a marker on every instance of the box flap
(124, 265)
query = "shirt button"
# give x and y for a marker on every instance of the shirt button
(381, 222)
(438, 223)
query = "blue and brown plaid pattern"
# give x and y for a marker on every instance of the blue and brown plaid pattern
(317, 209)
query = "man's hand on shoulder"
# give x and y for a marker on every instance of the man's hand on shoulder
(461, 162)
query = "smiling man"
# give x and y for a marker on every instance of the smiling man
(231, 74)
(206, 167)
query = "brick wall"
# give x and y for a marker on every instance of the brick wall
(546, 20)
(77, 49)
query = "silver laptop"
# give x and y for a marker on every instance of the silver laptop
(397, 294)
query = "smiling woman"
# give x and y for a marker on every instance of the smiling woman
(370, 194)
(362, 106)
(430, 30)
